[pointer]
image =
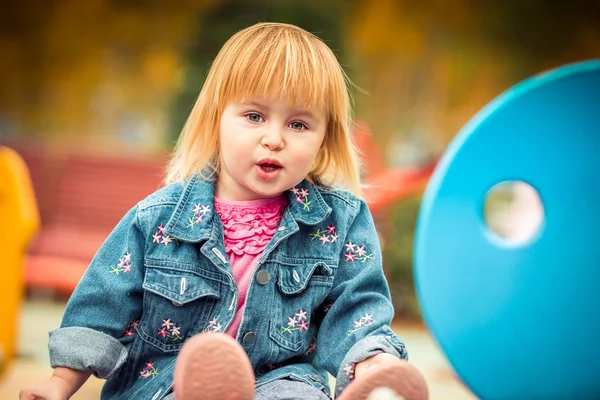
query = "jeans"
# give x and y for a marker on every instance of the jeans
(282, 389)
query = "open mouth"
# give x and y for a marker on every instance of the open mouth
(267, 167)
(269, 164)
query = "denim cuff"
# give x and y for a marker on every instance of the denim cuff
(383, 340)
(85, 349)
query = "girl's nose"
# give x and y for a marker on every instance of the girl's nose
(273, 139)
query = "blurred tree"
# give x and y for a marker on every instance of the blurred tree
(398, 227)
(429, 66)
(219, 23)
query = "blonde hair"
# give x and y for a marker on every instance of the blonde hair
(272, 60)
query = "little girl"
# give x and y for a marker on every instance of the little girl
(260, 234)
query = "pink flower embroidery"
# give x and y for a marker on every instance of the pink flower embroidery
(163, 332)
(213, 326)
(198, 211)
(361, 323)
(160, 238)
(130, 329)
(149, 370)
(311, 347)
(302, 197)
(292, 321)
(324, 239)
(303, 326)
(349, 371)
(124, 265)
(169, 330)
(325, 235)
(356, 252)
(360, 251)
(301, 315)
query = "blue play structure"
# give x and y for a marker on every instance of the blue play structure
(519, 320)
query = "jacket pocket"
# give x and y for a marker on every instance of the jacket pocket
(301, 288)
(177, 303)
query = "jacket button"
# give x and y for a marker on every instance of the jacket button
(249, 337)
(176, 304)
(263, 277)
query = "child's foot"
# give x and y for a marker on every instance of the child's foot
(213, 366)
(400, 377)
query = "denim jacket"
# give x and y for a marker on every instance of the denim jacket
(318, 301)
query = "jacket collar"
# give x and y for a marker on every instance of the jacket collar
(194, 216)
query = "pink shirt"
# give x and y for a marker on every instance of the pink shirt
(248, 228)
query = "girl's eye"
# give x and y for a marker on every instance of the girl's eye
(297, 126)
(254, 117)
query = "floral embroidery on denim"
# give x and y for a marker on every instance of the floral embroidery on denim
(292, 321)
(160, 238)
(213, 326)
(325, 235)
(149, 370)
(169, 330)
(199, 212)
(274, 366)
(362, 322)
(349, 371)
(130, 329)
(302, 197)
(124, 265)
(312, 346)
(327, 307)
(356, 252)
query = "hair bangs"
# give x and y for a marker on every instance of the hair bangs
(282, 65)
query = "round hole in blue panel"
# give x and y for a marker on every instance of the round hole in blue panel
(513, 213)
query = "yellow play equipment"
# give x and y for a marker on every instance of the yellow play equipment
(19, 219)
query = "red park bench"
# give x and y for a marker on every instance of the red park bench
(81, 198)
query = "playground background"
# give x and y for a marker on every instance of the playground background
(94, 94)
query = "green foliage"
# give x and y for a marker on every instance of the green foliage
(217, 25)
(398, 227)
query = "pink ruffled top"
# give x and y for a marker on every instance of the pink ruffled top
(248, 228)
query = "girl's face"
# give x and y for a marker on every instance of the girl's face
(267, 147)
